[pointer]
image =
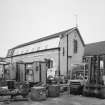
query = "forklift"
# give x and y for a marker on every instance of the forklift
(78, 78)
(95, 85)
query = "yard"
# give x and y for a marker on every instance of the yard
(62, 100)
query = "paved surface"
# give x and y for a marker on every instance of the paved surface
(62, 100)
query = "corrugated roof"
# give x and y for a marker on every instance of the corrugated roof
(45, 38)
(97, 48)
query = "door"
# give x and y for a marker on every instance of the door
(20, 72)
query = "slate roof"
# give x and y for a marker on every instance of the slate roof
(97, 48)
(49, 37)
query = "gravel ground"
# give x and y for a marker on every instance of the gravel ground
(62, 100)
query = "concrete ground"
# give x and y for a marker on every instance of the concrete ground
(62, 100)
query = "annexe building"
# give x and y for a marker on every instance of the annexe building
(61, 50)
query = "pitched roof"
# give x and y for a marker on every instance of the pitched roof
(42, 39)
(48, 37)
(97, 48)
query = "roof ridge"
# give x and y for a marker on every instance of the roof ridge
(44, 38)
(95, 42)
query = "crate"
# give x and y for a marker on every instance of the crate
(38, 93)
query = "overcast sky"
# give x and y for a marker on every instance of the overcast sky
(26, 20)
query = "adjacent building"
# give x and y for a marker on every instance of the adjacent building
(60, 50)
(95, 49)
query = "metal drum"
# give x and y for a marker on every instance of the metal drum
(10, 84)
(38, 93)
(53, 90)
(102, 92)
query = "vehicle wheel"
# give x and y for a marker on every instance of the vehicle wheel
(84, 93)
(102, 92)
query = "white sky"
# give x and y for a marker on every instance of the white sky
(26, 20)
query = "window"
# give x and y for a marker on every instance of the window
(46, 47)
(10, 53)
(29, 72)
(83, 59)
(37, 68)
(22, 52)
(6, 69)
(75, 46)
(26, 51)
(38, 48)
(63, 51)
(101, 64)
(32, 49)
(29, 66)
(49, 63)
